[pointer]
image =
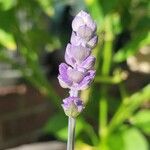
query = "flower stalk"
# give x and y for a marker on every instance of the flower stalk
(71, 133)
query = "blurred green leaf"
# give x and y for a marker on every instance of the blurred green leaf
(125, 13)
(143, 24)
(134, 140)
(7, 40)
(128, 106)
(132, 47)
(108, 6)
(115, 141)
(57, 125)
(83, 126)
(8, 20)
(7, 4)
(47, 6)
(127, 139)
(142, 120)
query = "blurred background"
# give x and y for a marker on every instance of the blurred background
(33, 37)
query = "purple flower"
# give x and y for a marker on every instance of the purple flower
(72, 106)
(79, 71)
(77, 79)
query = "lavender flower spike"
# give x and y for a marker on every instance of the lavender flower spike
(78, 71)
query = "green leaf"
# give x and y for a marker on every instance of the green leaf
(108, 7)
(142, 120)
(128, 107)
(7, 4)
(7, 40)
(134, 140)
(115, 141)
(47, 6)
(132, 47)
(127, 139)
(57, 125)
(83, 126)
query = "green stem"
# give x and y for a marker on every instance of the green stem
(103, 101)
(71, 133)
(103, 106)
(107, 55)
(123, 91)
(109, 79)
(103, 113)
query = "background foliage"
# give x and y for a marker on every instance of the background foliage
(31, 28)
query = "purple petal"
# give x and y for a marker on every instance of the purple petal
(68, 49)
(92, 43)
(88, 63)
(68, 55)
(87, 20)
(63, 77)
(87, 80)
(76, 54)
(63, 69)
(75, 40)
(90, 23)
(79, 104)
(63, 83)
(85, 32)
(70, 60)
(75, 75)
(77, 22)
(79, 53)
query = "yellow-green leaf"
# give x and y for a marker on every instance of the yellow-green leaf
(7, 40)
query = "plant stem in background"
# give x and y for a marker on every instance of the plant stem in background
(105, 72)
(107, 56)
(71, 133)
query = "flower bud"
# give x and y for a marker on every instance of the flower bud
(82, 19)
(72, 106)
